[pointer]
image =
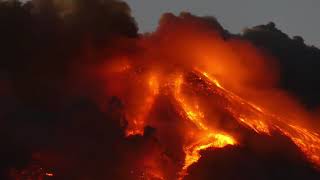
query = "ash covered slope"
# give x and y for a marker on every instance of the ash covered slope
(60, 119)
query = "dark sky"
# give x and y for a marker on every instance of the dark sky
(294, 17)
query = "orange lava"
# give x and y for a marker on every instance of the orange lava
(138, 122)
(211, 140)
(204, 137)
(208, 139)
(227, 69)
(263, 122)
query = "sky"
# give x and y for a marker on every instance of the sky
(294, 17)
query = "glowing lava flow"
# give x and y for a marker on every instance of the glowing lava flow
(204, 137)
(193, 112)
(207, 139)
(211, 140)
(139, 121)
(264, 122)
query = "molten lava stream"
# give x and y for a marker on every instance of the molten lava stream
(137, 123)
(264, 122)
(211, 140)
(206, 139)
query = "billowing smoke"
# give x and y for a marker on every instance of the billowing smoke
(84, 96)
(40, 109)
(298, 62)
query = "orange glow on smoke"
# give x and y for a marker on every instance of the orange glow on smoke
(257, 124)
(232, 71)
(138, 122)
(204, 137)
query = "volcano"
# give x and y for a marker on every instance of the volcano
(236, 118)
(86, 97)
